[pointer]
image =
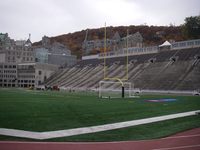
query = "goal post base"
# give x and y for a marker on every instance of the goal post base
(114, 89)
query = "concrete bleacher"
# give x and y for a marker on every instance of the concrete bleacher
(86, 80)
(54, 78)
(167, 70)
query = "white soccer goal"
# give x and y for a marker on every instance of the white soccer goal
(113, 89)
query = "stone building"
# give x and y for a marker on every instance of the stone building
(11, 53)
(133, 40)
(113, 44)
(21, 65)
(25, 74)
(55, 53)
(8, 75)
(15, 51)
(34, 74)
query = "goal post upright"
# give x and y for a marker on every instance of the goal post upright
(105, 52)
(127, 55)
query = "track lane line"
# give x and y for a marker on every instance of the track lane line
(178, 147)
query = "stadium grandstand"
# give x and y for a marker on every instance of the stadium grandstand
(168, 67)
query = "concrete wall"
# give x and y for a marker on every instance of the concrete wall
(62, 60)
(43, 72)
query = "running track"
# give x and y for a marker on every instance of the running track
(188, 140)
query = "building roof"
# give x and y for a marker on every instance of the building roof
(116, 36)
(136, 36)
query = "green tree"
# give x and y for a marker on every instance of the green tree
(191, 27)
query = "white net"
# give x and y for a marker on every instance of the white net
(113, 89)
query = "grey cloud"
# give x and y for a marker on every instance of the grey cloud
(54, 17)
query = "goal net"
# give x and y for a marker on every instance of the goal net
(113, 89)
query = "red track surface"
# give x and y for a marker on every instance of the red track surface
(189, 140)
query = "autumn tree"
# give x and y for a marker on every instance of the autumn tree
(191, 27)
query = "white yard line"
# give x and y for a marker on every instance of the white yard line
(92, 129)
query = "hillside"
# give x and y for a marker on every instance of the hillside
(153, 35)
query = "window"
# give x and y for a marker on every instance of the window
(40, 72)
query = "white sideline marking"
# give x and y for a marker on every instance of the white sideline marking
(92, 129)
(179, 147)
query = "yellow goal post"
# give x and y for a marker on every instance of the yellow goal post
(114, 79)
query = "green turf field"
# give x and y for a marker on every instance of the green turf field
(47, 111)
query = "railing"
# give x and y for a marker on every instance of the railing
(90, 57)
(131, 51)
(186, 44)
(148, 50)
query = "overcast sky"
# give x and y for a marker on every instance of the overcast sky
(18, 18)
